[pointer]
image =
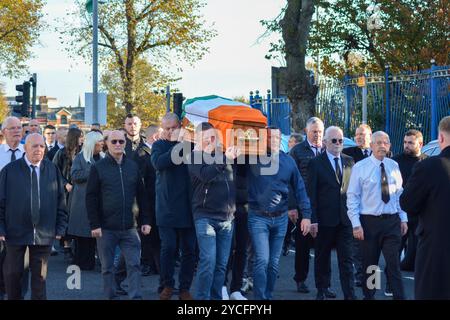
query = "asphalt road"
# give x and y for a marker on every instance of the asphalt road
(285, 288)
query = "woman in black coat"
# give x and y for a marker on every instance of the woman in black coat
(63, 160)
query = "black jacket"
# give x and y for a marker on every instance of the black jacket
(426, 195)
(132, 147)
(111, 191)
(51, 153)
(302, 154)
(15, 204)
(143, 159)
(355, 152)
(173, 185)
(213, 189)
(328, 197)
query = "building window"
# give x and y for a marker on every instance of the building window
(63, 119)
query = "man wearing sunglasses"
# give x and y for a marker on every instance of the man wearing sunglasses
(113, 185)
(328, 177)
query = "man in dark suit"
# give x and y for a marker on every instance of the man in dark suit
(150, 253)
(302, 154)
(362, 150)
(426, 196)
(33, 223)
(61, 135)
(328, 176)
(363, 134)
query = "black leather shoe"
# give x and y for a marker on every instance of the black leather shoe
(320, 295)
(121, 292)
(302, 287)
(329, 294)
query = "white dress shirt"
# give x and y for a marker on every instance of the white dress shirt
(38, 171)
(5, 154)
(317, 150)
(50, 146)
(364, 190)
(333, 164)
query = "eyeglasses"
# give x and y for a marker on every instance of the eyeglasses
(115, 141)
(336, 141)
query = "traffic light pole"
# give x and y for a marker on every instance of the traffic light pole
(95, 61)
(33, 80)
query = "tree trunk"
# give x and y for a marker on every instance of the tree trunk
(301, 90)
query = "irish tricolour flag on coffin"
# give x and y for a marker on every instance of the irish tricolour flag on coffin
(238, 122)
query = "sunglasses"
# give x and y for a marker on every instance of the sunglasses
(115, 141)
(336, 141)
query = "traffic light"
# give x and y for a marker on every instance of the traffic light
(178, 104)
(24, 108)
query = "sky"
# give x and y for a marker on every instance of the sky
(234, 66)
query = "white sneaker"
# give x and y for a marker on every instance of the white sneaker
(225, 295)
(237, 295)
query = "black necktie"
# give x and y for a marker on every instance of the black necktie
(13, 154)
(366, 153)
(316, 151)
(34, 197)
(338, 170)
(384, 185)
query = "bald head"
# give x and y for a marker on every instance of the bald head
(116, 144)
(34, 148)
(34, 126)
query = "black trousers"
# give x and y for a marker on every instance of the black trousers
(238, 254)
(303, 244)
(151, 249)
(85, 253)
(26, 272)
(328, 238)
(382, 234)
(411, 240)
(14, 271)
(2, 261)
(288, 236)
(357, 259)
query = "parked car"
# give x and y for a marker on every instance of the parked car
(349, 143)
(431, 148)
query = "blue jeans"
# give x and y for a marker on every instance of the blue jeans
(169, 250)
(267, 235)
(130, 247)
(214, 239)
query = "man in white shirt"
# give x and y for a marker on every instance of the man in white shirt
(374, 211)
(12, 149)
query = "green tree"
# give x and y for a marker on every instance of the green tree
(148, 105)
(20, 24)
(160, 31)
(404, 34)
(4, 109)
(294, 23)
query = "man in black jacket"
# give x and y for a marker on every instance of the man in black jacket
(213, 206)
(33, 223)
(412, 145)
(426, 196)
(328, 176)
(114, 183)
(134, 140)
(173, 207)
(150, 244)
(302, 154)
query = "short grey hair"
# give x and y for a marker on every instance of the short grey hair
(313, 120)
(378, 134)
(32, 135)
(170, 117)
(7, 121)
(330, 129)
